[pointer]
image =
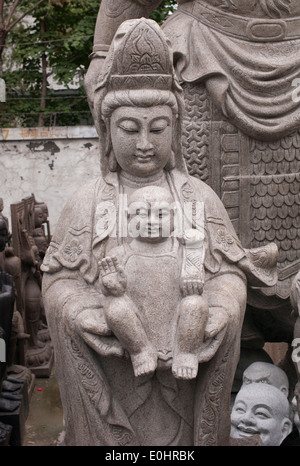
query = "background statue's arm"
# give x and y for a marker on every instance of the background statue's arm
(112, 13)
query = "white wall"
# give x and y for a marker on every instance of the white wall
(49, 162)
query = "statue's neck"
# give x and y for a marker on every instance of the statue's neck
(137, 182)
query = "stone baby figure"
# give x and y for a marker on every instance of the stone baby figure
(152, 226)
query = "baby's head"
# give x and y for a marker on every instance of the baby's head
(151, 212)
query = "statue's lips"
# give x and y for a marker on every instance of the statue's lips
(143, 158)
(247, 431)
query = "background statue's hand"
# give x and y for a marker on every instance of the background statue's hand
(217, 320)
(91, 325)
(90, 81)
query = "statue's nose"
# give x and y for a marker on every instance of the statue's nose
(144, 144)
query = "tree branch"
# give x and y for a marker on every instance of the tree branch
(1, 14)
(10, 15)
(24, 14)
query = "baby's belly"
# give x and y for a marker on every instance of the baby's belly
(153, 283)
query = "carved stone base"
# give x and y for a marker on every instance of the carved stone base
(40, 360)
(44, 370)
(16, 419)
(22, 373)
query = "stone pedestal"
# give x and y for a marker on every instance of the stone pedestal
(16, 419)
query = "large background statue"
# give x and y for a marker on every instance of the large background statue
(238, 62)
(107, 401)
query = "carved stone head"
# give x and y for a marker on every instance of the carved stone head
(138, 73)
(261, 409)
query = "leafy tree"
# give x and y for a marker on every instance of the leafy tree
(53, 47)
(11, 14)
(166, 7)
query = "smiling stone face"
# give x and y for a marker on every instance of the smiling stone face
(261, 409)
(142, 138)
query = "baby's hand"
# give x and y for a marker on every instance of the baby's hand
(113, 277)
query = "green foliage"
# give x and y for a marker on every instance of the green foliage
(61, 34)
(166, 7)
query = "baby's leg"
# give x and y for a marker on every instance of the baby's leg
(190, 332)
(121, 317)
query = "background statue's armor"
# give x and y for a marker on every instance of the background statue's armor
(237, 62)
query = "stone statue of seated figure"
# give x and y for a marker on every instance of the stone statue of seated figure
(139, 108)
(148, 327)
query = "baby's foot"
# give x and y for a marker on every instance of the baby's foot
(185, 366)
(144, 363)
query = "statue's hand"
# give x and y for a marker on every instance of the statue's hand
(92, 326)
(113, 276)
(217, 320)
(190, 286)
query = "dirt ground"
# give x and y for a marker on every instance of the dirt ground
(44, 423)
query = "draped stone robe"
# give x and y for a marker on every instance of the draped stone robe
(104, 404)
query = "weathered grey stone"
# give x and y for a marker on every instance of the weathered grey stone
(261, 409)
(187, 288)
(238, 63)
(264, 372)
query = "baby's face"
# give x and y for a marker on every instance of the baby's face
(152, 221)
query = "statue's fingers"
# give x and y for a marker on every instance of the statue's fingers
(110, 265)
(105, 346)
(115, 263)
(103, 266)
(190, 288)
(199, 287)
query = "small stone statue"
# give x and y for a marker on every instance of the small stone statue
(25, 264)
(184, 329)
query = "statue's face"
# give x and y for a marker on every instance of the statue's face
(142, 138)
(154, 222)
(257, 411)
(3, 237)
(38, 217)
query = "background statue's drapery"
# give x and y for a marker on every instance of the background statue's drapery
(253, 84)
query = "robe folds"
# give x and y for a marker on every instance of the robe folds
(251, 65)
(104, 404)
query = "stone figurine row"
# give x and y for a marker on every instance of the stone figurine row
(26, 346)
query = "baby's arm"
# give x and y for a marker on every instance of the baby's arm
(112, 276)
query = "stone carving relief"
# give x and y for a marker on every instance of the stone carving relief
(27, 256)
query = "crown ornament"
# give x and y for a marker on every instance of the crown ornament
(139, 58)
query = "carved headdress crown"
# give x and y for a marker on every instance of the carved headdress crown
(139, 58)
